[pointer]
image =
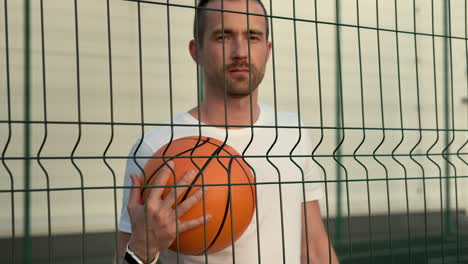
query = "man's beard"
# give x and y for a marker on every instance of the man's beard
(239, 86)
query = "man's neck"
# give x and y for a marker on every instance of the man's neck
(235, 112)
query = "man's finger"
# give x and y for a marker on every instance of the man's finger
(161, 180)
(178, 191)
(191, 201)
(135, 193)
(190, 224)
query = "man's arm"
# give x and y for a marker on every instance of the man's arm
(319, 248)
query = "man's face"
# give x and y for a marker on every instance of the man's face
(239, 71)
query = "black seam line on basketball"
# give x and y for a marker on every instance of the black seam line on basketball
(230, 154)
(252, 185)
(252, 191)
(200, 172)
(252, 188)
(226, 210)
(204, 141)
(178, 154)
(245, 172)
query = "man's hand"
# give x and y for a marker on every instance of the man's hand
(154, 226)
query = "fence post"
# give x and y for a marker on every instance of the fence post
(27, 133)
(338, 120)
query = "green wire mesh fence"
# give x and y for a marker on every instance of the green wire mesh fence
(381, 87)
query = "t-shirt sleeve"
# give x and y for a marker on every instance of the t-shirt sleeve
(134, 165)
(313, 181)
(313, 176)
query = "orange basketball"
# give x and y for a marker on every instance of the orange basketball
(230, 199)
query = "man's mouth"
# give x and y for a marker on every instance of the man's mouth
(239, 70)
(240, 73)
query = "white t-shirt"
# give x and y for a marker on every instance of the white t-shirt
(272, 245)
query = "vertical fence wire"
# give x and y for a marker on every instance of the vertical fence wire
(418, 105)
(363, 120)
(141, 115)
(362, 105)
(402, 132)
(8, 140)
(362, 164)
(112, 128)
(466, 95)
(321, 118)
(251, 121)
(80, 131)
(225, 95)
(251, 116)
(436, 118)
(44, 139)
(451, 115)
(275, 105)
(299, 121)
(280, 187)
(383, 126)
(171, 109)
(200, 99)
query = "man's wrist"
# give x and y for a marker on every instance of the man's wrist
(132, 257)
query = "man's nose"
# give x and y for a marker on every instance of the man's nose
(240, 49)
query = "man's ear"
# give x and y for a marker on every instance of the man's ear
(193, 50)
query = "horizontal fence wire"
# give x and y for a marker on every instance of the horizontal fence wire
(149, 124)
(384, 106)
(236, 156)
(235, 184)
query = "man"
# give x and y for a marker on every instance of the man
(233, 51)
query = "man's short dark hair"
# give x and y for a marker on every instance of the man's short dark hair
(200, 20)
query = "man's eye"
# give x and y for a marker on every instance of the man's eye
(220, 37)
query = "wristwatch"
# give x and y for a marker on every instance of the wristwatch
(132, 258)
